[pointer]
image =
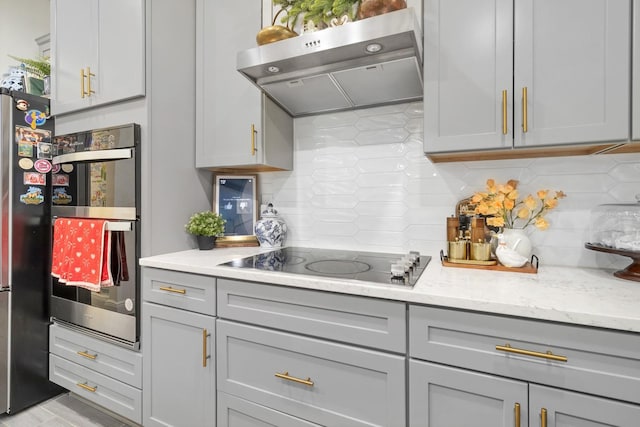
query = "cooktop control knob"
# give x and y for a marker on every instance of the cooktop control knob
(415, 257)
(397, 270)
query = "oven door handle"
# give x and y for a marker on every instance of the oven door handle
(94, 156)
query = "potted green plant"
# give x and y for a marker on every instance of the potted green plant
(318, 11)
(206, 226)
(39, 69)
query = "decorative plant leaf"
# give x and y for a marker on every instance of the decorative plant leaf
(38, 67)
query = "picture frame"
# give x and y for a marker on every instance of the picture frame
(236, 201)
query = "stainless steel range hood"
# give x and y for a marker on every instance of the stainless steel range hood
(332, 70)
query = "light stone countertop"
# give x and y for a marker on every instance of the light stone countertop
(581, 296)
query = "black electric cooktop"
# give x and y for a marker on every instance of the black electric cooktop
(366, 266)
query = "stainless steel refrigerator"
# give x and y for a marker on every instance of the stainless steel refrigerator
(26, 131)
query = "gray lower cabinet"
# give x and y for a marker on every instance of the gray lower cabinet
(480, 369)
(178, 342)
(101, 372)
(285, 355)
(179, 369)
(236, 412)
(443, 396)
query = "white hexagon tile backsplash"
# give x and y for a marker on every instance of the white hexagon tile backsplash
(361, 181)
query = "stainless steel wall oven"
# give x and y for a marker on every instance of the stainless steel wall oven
(97, 176)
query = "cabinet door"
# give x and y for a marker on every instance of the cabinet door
(120, 39)
(441, 396)
(236, 125)
(73, 48)
(567, 409)
(572, 56)
(468, 64)
(230, 103)
(635, 83)
(179, 367)
(105, 38)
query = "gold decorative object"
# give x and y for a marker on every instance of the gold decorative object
(274, 32)
(369, 8)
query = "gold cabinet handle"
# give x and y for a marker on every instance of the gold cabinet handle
(253, 140)
(82, 92)
(89, 75)
(543, 417)
(87, 387)
(525, 125)
(505, 128)
(175, 291)
(88, 355)
(516, 409)
(287, 377)
(548, 355)
(204, 348)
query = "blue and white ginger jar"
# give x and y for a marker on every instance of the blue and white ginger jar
(270, 230)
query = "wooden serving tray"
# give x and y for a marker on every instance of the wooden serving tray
(490, 265)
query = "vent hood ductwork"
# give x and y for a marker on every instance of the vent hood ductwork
(373, 61)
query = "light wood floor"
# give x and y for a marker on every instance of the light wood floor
(65, 410)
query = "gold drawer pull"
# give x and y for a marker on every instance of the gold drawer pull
(88, 355)
(253, 140)
(287, 377)
(525, 123)
(516, 409)
(543, 417)
(89, 75)
(87, 387)
(205, 334)
(505, 128)
(547, 355)
(175, 291)
(82, 92)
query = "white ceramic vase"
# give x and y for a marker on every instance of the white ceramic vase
(270, 230)
(518, 240)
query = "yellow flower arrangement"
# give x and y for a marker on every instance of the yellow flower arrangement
(502, 208)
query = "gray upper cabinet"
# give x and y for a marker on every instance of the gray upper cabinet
(635, 86)
(236, 126)
(524, 74)
(97, 52)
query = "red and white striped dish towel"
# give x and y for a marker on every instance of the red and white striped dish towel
(81, 253)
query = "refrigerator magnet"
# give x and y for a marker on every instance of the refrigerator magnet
(44, 150)
(60, 196)
(34, 178)
(25, 163)
(42, 165)
(33, 196)
(60, 179)
(55, 168)
(25, 149)
(67, 167)
(35, 118)
(22, 105)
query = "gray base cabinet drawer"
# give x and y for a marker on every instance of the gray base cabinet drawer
(236, 412)
(590, 360)
(116, 362)
(326, 383)
(186, 291)
(352, 319)
(102, 390)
